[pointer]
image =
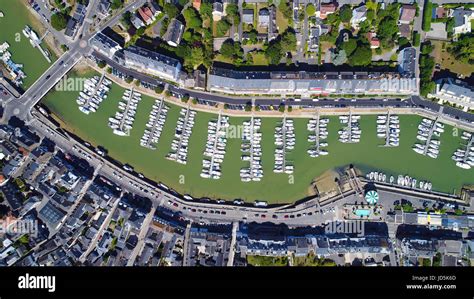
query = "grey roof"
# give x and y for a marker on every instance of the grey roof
(458, 15)
(104, 44)
(153, 62)
(247, 16)
(174, 33)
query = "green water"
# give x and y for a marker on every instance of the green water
(275, 188)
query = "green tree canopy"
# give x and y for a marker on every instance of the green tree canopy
(345, 13)
(58, 21)
(192, 18)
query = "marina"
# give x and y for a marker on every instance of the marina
(94, 92)
(351, 132)
(388, 128)
(123, 120)
(318, 126)
(155, 124)
(366, 155)
(285, 141)
(428, 132)
(180, 144)
(252, 151)
(464, 156)
(36, 41)
(215, 147)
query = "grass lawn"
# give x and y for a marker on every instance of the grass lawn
(259, 59)
(281, 21)
(274, 188)
(16, 16)
(448, 62)
(258, 260)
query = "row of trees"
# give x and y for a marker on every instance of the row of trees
(427, 64)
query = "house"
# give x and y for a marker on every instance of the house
(103, 10)
(217, 11)
(247, 16)
(71, 28)
(454, 92)
(405, 30)
(146, 15)
(264, 17)
(359, 15)
(136, 22)
(373, 40)
(462, 21)
(104, 45)
(326, 9)
(439, 12)
(155, 8)
(174, 33)
(407, 14)
(197, 4)
(407, 62)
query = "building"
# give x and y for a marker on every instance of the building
(150, 62)
(247, 16)
(454, 92)
(264, 17)
(136, 22)
(308, 83)
(217, 11)
(462, 21)
(359, 15)
(373, 40)
(103, 10)
(407, 62)
(407, 14)
(104, 45)
(146, 15)
(174, 33)
(327, 9)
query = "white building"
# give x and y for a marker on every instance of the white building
(454, 92)
(359, 15)
(462, 21)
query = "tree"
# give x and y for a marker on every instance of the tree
(227, 49)
(274, 53)
(159, 89)
(362, 56)
(310, 9)
(387, 30)
(195, 59)
(462, 49)
(286, 9)
(345, 13)
(101, 64)
(416, 39)
(206, 9)
(116, 4)
(427, 11)
(192, 18)
(59, 21)
(288, 41)
(349, 46)
(232, 10)
(171, 10)
(222, 27)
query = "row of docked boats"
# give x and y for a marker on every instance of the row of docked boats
(122, 122)
(319, 133)
(351, 132)
(464, 156)
(285, 141)
(388, 127)
(215, 147)
(95, 90)
(402, 180)
(252, 151)
(155, 124)
(180, 143)
(428, 129)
